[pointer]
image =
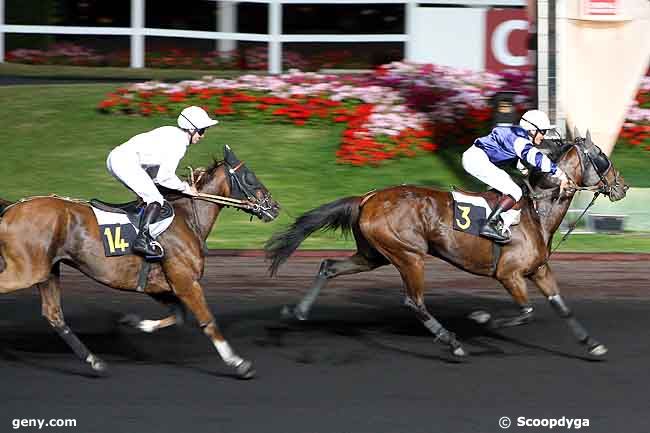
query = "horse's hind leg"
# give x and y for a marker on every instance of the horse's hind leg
(170, 300)
(411, 268)
(548, 286)
(329, 269)
(51, 300)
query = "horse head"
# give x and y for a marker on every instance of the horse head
(232, 178)
(587, 166)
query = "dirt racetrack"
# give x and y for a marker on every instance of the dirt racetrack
(362, 364)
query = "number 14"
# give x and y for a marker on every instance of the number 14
(117, 241)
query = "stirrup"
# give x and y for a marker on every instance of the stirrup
(156, 245)
(495, 234)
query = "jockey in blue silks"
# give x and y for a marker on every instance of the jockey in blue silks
(504, 145)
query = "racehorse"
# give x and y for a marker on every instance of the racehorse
(401, 225)
(38, 234)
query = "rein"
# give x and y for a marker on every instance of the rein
(219, 199)
(604, 188)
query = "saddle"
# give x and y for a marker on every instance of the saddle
(492, 196)
(133, 209)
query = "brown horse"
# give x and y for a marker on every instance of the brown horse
(401, 225)
(38, 234)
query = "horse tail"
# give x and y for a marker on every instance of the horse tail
(341, 214)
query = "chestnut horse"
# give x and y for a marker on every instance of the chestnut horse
(401, 225)
(38, 234)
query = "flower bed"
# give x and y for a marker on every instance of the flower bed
(401, 110)
(636, 129)
(458, 100)
(255, 58)
(379, 126)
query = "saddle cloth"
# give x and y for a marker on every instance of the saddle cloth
(471, 212)
(118, 231)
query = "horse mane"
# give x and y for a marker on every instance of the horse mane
(203, 175)
(555, 148)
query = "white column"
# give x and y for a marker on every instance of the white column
(227, 22)
(275, 31)
(542, 55)
(137, 34)
(560, 52)
(2, 32)
(409, 17)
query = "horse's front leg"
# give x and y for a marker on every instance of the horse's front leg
(547, 284)
(191, 294)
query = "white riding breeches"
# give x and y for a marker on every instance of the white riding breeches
(476, 162)
(129, 172)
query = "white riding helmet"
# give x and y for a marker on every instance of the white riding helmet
(535, 120)
(195, 118)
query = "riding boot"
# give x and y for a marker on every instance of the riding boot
(492, 227)
(143, 243)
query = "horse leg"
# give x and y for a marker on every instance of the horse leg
(51, 307)
(411, 268)
(328, 269)
(515, 284)
(177, 316)
(547, 284)
(194, 299)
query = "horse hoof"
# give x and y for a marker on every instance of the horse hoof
(147, 326)
(130, 320)
(598, 350)
(99, 367)
(291, 313)
(481, 317)
(459, 352)
(245, 370)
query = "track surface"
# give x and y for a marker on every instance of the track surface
(362, 364)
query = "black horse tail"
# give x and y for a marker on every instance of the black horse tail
(340, 214)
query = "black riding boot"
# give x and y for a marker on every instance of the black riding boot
(492, 228)
(142, 244)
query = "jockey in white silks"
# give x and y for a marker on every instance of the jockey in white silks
(502, 146)
(151, 159)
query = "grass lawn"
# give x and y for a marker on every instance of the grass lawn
(54, 141)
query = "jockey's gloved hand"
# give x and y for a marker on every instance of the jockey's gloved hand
(565, 182)
(190, 190)
(522, 168)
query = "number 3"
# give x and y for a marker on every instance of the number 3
(465, 215)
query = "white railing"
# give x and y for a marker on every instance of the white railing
(275, 38)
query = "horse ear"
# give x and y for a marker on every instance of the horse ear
(229, 155)
(588, 141)
(576, 133)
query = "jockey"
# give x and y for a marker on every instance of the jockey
(151, 159)
(504, 145)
